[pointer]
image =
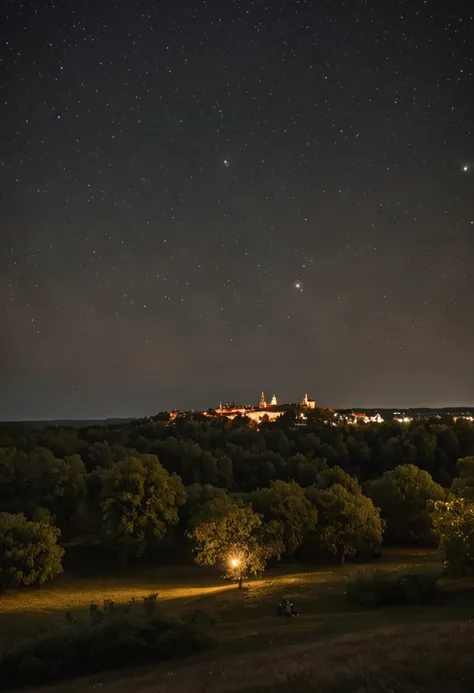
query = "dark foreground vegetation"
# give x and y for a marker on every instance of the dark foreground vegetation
(333, 645)
(229, 495)
(114, 636)
(139, 631)
(415, 660)
(376, 588)
(407, 660)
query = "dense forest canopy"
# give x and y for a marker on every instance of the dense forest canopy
(132, 487)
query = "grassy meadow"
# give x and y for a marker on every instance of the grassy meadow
(330, 643)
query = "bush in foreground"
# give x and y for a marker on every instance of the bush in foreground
(118, 639)
(376, 588)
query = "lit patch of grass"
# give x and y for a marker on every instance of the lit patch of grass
(24, 612)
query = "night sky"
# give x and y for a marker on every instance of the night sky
(204, 200)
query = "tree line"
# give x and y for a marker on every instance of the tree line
(239, 494)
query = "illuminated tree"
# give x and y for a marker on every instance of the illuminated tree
(463, 485)
(453, 522)
(233, 536)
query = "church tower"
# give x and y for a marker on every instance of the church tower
(263, 404)
(274, 401)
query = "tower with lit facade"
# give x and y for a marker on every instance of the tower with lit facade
(308, 403)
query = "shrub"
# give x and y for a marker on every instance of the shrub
(376, 588)
(201, 619)
(70, 618)
(96, 614)
(109, 605)
(149, 604)
(118, 639)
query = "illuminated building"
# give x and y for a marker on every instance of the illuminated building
(258, 413)
(308, 403)
(358, 417)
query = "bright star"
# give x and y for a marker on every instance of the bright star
(299, 286)
(226, 162)
(465, 168)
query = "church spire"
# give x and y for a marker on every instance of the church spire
(263, 404)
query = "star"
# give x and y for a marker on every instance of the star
(123, 215)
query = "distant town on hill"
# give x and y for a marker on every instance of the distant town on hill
(272, 411)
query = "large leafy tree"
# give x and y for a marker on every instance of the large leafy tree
(453, 522)
(329, 476)
(402, 495)
(425, 444)
(197, 495)
(287, 506)
(349, 523)
(37, 479)
(140, 500)
(231, 534)
(29, 552)
(303, 469)
(64, 492)
(463, 484)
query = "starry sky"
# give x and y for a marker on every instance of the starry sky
(204, 200)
